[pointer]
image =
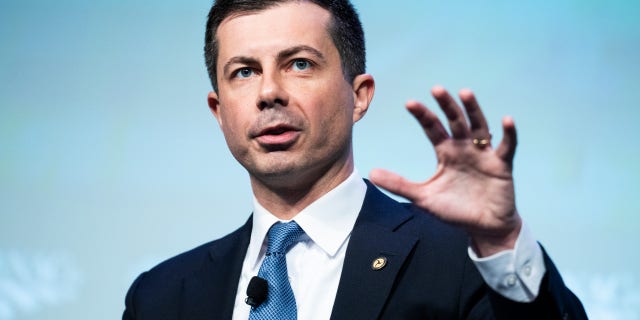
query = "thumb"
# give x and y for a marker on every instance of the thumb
(394, 183)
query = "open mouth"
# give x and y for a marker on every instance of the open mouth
(274, 131)
(279, 136)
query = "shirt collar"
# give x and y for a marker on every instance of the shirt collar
(327, 221)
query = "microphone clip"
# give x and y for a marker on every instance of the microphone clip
(257, 291)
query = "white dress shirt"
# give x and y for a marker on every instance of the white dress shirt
(315, 262)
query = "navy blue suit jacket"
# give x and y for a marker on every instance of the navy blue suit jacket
(428, 275)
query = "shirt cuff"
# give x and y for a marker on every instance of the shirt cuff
(515, 274)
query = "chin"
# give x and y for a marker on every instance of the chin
(275, 168)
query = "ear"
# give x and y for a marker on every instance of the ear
(363, 88)
(214, 106)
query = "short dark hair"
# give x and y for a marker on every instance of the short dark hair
(345, 30)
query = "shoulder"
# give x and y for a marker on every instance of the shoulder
(193, 260)
(159, 289)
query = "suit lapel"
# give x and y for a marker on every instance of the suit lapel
(211, 290)
(373, 237)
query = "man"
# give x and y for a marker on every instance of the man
(289, 84)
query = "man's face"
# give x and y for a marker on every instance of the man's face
(283, 104)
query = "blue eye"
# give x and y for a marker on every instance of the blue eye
(244, 73)
(301, 64)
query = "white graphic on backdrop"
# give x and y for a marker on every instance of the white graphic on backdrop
(607, 296)
(31, 282)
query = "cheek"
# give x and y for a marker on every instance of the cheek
(232, 126)
(232, 116)
(342, 112)
(336, 120)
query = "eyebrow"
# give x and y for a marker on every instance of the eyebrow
(282, 55)
(239, 60)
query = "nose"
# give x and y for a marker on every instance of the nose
(272, 92)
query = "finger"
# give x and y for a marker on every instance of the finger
(394, 183)
(457, 120)
(476, 117)
(507, 148)
(429, 122)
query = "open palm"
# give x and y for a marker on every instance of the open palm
(473, 184)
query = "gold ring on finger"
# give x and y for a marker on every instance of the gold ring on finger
(481, 142)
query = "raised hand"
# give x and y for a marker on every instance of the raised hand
(473, 184)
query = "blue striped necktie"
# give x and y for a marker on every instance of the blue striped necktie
(280, 302)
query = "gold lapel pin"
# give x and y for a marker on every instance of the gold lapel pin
(379, 263)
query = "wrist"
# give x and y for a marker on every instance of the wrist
(489, 243)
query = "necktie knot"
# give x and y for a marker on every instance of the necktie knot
(281, 236)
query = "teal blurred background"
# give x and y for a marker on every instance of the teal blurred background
(110, 160)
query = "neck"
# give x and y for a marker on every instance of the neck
(285, 200)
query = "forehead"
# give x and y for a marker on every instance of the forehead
(289, 24)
